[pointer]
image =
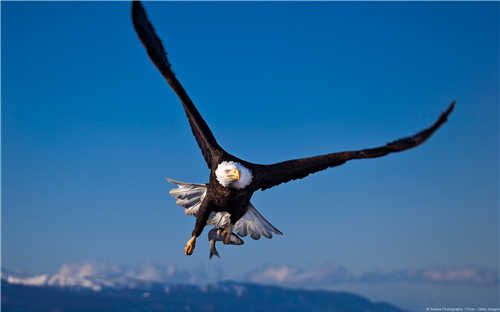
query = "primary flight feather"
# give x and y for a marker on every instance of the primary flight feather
(225, 201)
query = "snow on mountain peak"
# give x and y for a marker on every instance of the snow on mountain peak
(96, 276)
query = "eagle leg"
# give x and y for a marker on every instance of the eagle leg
(228, 230)
(190, 246)
(201, 220)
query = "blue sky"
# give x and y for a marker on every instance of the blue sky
(90, 129)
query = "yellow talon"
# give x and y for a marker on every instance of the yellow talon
(190, 246)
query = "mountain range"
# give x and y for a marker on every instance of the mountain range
(220, 296)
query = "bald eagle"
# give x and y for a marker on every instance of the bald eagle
(224, 201)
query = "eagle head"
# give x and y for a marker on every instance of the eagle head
(233, 174)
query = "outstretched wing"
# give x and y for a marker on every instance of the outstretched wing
(268, 176)
(156, 52)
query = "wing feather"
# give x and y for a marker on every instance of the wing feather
(267, 176)
(206, 140)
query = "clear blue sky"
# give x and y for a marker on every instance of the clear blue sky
(90, 129)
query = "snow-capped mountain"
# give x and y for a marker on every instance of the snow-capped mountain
(97, 276)
(100, 287)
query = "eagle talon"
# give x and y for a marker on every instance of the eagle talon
(190, 246)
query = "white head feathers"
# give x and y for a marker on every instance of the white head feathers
(233, 174)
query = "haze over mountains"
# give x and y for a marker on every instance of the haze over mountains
(95, 276)
(112, 286)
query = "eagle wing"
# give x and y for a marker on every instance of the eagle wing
(201, 131)
(268, 176)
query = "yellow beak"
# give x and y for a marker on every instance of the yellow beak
(234, 174)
